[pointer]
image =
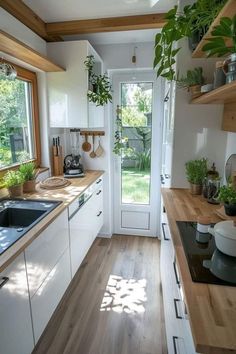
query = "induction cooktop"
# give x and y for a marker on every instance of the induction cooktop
(203, 257)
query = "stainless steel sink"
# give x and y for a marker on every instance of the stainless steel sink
(17, 217)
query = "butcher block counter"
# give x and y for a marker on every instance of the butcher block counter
(211, 308)
(67, 195)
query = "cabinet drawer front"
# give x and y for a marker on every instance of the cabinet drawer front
(48, 296)
(16, 334)
(45, 251)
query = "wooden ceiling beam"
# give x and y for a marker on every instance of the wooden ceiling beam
(110, 24)
(28, 17)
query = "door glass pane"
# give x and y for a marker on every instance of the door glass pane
(136, 115)
(16, 133)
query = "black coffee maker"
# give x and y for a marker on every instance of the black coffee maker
(73, 167)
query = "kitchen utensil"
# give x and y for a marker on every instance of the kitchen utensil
(99, 151)
(92, 154)
(225, 237)
(222, 266)
(86, 146)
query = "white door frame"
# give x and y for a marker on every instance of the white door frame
(157, 113)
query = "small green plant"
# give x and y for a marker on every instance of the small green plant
(12, 178)
(217, 45)
(193, 77)
(143, 160)
(28, 171)
(100, 84)
(196, 171)
(227, 195)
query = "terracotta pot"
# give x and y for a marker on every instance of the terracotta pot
(196, 189)
(15, 191)
(195, 91)
(29, 186)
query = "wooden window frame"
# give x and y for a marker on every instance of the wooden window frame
(31, 77)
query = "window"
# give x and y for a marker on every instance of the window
(19, 119)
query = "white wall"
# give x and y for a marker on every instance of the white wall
(197, 130)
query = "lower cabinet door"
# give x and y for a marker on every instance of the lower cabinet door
(16, 336)
(48, 296)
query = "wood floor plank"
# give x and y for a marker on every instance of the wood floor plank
(114, 303)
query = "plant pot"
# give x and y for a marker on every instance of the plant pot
(15, 191)
(195, 91)
(29, 186)
(195, 189)
(230, 209)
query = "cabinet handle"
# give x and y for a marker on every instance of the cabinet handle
(162, 179)
(4, 281)
(99, 192)
(176, 309)
(176, 274)
(100, 212)
(174, 344)
(99, 181)
(163, 224)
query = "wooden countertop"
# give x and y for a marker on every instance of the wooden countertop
(211, 308)
(67, 195)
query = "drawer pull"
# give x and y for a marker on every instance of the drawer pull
(100, 212)
(176, 309)
(99, 192)
(163, 224)
(3, 281)
(99, 181)
(176, 274)
(174, 344)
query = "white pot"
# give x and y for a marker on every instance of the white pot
(225, 237)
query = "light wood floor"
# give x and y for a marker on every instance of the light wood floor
(114, 303)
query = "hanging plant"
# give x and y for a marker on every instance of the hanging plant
(99, 85)
(194, 18)
(121, 145)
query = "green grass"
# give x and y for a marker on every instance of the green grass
(135, 186)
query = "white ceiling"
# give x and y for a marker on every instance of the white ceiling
(66, 10)
(63, 10)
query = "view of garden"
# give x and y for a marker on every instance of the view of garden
(136, 116)
(14, 124)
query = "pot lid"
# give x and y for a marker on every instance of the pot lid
(226, 229)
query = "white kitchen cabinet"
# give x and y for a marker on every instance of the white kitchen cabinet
(16, 336)
(48, 296)
(178, 333)
(68, 102)
(85, 224)
(44, 252)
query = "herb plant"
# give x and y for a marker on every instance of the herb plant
(196, 170)
(193, 77)
(28, 171)
(12, 178)
(227, 195)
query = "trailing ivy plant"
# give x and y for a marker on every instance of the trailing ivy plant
(217, 45)
(99, 85)
(196, 17)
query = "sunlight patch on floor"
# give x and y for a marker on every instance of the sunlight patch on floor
(124, 295)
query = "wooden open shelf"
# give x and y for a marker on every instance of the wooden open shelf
(223, 94)
(12, 46)
(229, 10)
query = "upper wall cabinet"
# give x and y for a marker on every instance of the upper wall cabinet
(68, 102)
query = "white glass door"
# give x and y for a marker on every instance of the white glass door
(137, 169)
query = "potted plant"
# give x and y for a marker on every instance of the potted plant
(223, 42)
(196, 171)
(13, 181)
(28, 171)
(227, 195)
(192, 81)
(99, 91)
(194, 18)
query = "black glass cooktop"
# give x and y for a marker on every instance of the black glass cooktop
(206, 263)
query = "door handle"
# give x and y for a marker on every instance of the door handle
(174, 344)
(163, 230)
(176, 309)
(3, 281)
(162, 179)
(176, 273)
